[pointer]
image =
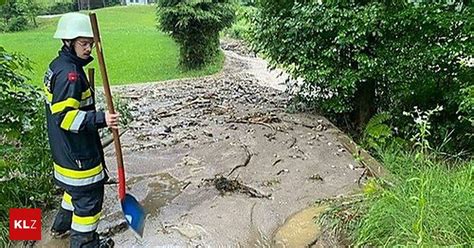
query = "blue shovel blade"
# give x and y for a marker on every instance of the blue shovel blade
(134, 214)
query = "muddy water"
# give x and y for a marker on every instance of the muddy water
(300, 230)
(162, 191)
(162, 188)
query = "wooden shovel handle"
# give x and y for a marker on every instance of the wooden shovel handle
(91, 77)
(110, 104)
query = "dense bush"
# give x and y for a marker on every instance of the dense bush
(17, 15)
(359, 58)
(58, 8)
(195, 26)
(25, 163)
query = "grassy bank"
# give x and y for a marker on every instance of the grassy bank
(431, 205)
(134, 50)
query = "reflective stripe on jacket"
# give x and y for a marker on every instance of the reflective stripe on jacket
(73, 124)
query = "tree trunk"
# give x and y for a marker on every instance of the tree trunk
(364, 104)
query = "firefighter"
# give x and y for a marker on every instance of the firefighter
(73, 125)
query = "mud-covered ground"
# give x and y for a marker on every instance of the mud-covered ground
(218, 161)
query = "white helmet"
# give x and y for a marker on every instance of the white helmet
(73, 25)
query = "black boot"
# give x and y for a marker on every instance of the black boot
(62, 224)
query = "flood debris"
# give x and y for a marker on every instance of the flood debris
(282, 171)
(113, 230)
(319, 126)
(363, 175)
(292, 143)
(259, 119)
(251, 142)
(316, 177)
(186, 185)
(271, 182)
(277, 161)
(225, 185)
(246, 162)
(208, 133)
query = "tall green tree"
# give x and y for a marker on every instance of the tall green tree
(195, 26)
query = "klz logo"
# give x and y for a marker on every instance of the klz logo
(25, 224)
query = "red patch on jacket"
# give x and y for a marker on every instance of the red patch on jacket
(72, 77)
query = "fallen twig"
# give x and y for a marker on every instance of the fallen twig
(292, 143)
(362, 176)
(186, 185)
(277, 161)
(301, 124)
(246, 162)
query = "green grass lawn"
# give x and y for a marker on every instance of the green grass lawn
(135, 51)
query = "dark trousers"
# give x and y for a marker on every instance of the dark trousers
(80, 213)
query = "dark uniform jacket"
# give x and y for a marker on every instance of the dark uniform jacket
(73, 124)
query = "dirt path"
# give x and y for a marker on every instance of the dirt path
(217, 161)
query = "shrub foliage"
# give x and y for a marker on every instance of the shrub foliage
(25, 162)
(195, 26)
(18, 15)
(360, 58)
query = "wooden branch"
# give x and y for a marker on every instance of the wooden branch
(246, 162)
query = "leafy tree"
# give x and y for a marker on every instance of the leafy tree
(14, 15)
(359, 58)
(195, 26)
(17, 15)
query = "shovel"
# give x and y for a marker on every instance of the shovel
(132, 210)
